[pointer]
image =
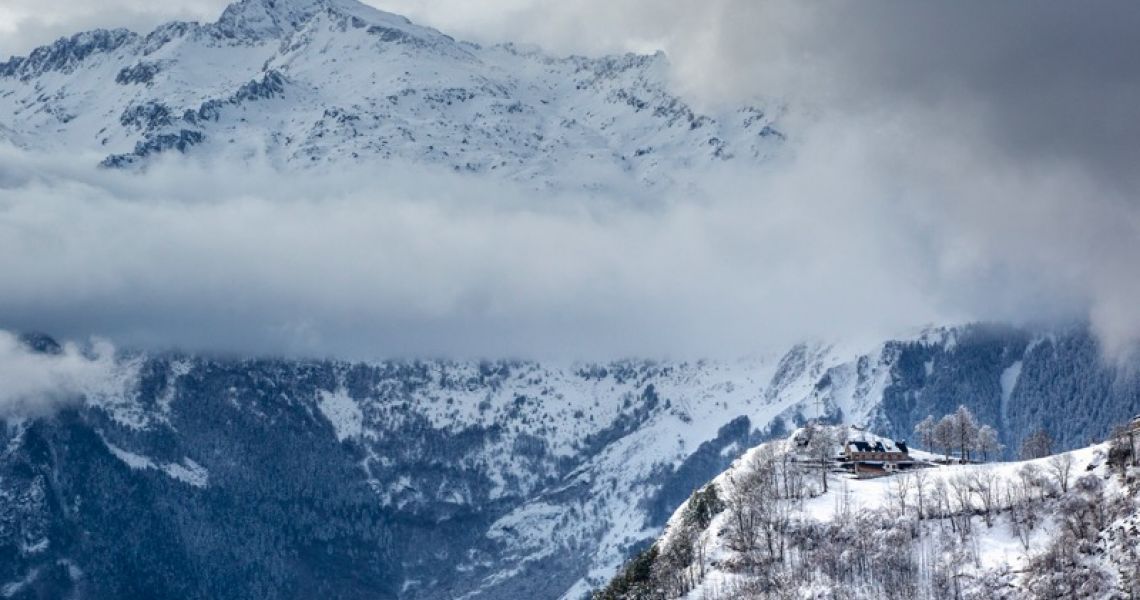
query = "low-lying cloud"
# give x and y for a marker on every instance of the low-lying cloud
(944, 163)
(35, 383)
(853, 233)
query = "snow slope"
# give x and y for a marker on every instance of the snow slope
(499, 479)
(985, 547)
(310, 83)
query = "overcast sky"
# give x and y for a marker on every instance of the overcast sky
(948, 161)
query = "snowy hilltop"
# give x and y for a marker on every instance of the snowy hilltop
(303, 83)
(799, 518)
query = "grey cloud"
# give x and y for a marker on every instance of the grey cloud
(35, 383)
(383, 264)
(946, 162)
(1044, 81)
(832, 242)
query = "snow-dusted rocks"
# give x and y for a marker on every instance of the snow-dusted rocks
(310, 83)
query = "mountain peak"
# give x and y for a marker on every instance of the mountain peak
(266, 18)
(270, 19)
(318, 82)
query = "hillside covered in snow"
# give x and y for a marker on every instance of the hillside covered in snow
(781, 524)
(309, 83)
(438, 479)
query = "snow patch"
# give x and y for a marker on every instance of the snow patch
(132, 460)
(188, 471)
(1009, 379)
(342, 412)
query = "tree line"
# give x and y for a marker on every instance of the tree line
(960, 433)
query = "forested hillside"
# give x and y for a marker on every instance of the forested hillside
(435, 479)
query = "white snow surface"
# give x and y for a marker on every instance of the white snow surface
(1009, 379)
(311, 83)
(997, 546)
(342, 412)
(187, 471)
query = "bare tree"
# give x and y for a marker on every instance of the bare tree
(900, 488)
(988, 443)
(1022, 516)
(963, 495)
(921, 484)
(792, 476)
(925, 432)
(984, 484)
(940, 501)
(741, 500)
(1033, 481)
(701, 555)
(944, 435)
(1038, 444)
(965, 431)
(821, 446)
(1061, 468)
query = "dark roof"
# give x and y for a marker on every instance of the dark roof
(887, 447)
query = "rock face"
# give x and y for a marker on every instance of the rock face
(190, 477)
(304, 83)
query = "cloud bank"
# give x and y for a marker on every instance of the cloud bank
(945, 163)
(836, 240)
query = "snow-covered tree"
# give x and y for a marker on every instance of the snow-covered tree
(987, 442)
(925, 432)
(965, 431)
(944, 435)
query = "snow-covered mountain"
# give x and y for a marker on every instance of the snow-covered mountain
(325, 82)
(1062, 526)
(165, 475)
(197, 477)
